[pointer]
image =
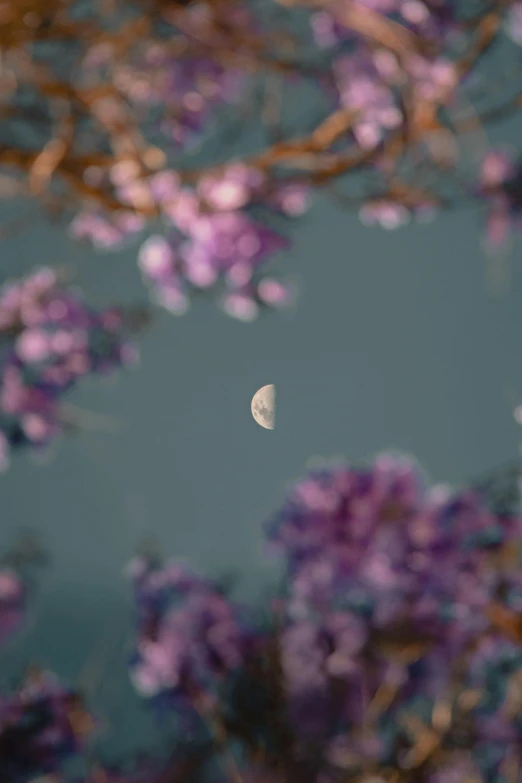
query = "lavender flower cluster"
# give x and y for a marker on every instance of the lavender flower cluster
(394, 646)
(49, 340)
(209, 237)
(386, 613)
(381, 568)
(189, 636)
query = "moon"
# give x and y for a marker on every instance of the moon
(264, 406)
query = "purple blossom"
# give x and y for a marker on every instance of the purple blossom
(500, 185)
(361, 88)
(222, 246)
(433, 20)
(176, 85)
(188, 88)
(12, 603)
(41, 724)
(52, 339)
(387, 214)
(432, 79)
(374, 551)
(231, 190)
(210, 240)
(106, 233)
(189, 636)
(389, 593)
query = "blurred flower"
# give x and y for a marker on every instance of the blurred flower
(500, 186)
(362, 89)
(210, 240)
(224, 246)
(514, 22)
(12, 603)
(51, 340)
(189, 636)
(381, 568)
(106, 233)
(387, 214)
(187, 88)
(41, 724)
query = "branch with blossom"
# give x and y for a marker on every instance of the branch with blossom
(374, 100)
(202, 130)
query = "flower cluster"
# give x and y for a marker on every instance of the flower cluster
(389, 587)
(395, 645)
(49, 340)
(41, 725)
(390, 606)
(210, 236)
(189, 636)
(372, 81)
(362, 87)
(187, 89)
(17, 571)
(438, 22)
(369, 80)
(500, 185)
(12, 603)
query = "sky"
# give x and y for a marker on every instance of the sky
(395, 342)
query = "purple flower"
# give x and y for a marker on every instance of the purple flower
(188, 88)
(386, 612)
(41, 724)
(52, 339)
(12, 603)
(105, 233)
(387, 214)
(500, 186)
(223, 246)
(373, 550)
(362, 89)
(231, 190)
(189, 636)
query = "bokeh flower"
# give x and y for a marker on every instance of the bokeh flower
(189, 636)
(41, 724)
(12, 603)
(500, 185)
(50, 339)
(389, 585)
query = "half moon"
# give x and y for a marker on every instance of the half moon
(264, 406)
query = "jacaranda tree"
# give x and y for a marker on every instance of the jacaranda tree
(199, 131)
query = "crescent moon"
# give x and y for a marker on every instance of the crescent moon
(263, 406)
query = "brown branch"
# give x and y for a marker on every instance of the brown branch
(228, 41)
